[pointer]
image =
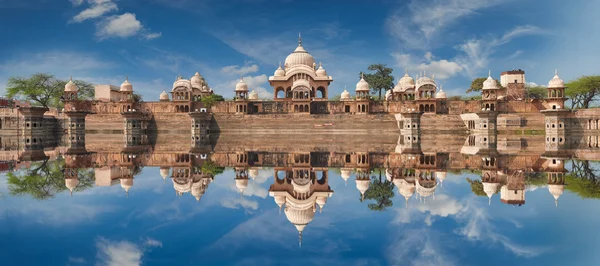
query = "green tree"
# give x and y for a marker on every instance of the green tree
(382, 191)
(210, 168)
(335, 98)
(381, 80)
(476, 187)
(46, 179)
(210, 100)
(44, 89)
(536, 92)
(477, 85)
(583, 91)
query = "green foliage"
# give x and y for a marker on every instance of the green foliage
(46, 179)
(583, 91)
(536, 92)
(382, 192)
(210, 100)
(477, 85)
(210, 168)
(137, 97)
(477, 187)
(585, 188)
(44, 89)
(335, 98)
(381, 80)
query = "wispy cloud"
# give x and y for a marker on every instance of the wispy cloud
(120, 253)
(98, 8)
(240, 70)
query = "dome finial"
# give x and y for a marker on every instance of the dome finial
(556, 202)
(126, 77)
(556, 72)
(299, 39)
(406, 71)
(300, 239)
(432, 76)
(71, 78)
(490, 201)
(279, 64)
(362, 75)
(489, 73)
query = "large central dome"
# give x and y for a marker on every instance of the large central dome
(299, 57)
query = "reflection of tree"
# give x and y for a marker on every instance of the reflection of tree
(583, 180)
(46, 179)
(380, 191)
(537, 179)
(210, 168)
(477, 187)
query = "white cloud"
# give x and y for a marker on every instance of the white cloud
(76, 260)
(237, 70)
(236, 203)
(76, 2)
(121, 26)
(428, 56)
(122, 253)
(97, 9)
(256, 83)
(152, 36)
(442, 206)
(418, 247)
(149, 242)
(442, 69)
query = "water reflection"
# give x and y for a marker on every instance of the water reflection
(392, 176)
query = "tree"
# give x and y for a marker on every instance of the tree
(382, 79)
(210, 100)
(536, 92)
(44, 89)
(477, 187)
(583, 91)
(336, 98)
(380, 191)
(210, 168)
(477, 85)
(46, 179)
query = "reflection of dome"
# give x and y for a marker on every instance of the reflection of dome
(362, 185)
(164, 172)
(556, 82)
(70, 86)
(181, 185)
(253, 95)
(164, 96)
(241, 86)
(280, 200)
(321, 200)
(241, 184)
(197, 190)
(299, 218)
(424, 190)
(71, 183)
(405, 188)
(253, 173)
(345, 95)
(126, 86)
(556, 191)
(126, 183)
(440, 176)
(490, 83)
(299, 57)
(301, 185)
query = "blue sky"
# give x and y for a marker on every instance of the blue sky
(100, 226)
(153, 41)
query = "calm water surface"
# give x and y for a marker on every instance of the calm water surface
(231, 216)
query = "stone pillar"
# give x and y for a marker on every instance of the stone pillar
(556, 128)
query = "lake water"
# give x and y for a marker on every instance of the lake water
(211, 208)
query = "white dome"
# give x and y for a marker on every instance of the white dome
(241, 86)
(164, 96)
(345, 173)
(441, 94)
(71, 183)
(321, 200)
(197, 190)
(182, 185)
(321, 71)
(126, 86)
(425, 191)
(181, 82)
(362, 185)
(280, 200)
(241, 184)
(425, 81)
(362, 85)
(299, 218)
(299, 57)
(405, 188)
(441, 176)
(556, 82)
(406, 82)
(253, 173)
(126, 183)
(490, 188)
(253, 95)
(556, 190)
(490, 83)
(279, 72)
(345, 95)
(197, 81)
(70, 86)
(164, 172)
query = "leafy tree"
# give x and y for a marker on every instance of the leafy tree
(210, 100)
(536, 92)
(137, 97)
(210, 168)
(583, 91)
(382, 79)
(477, 85)
(380, 191)
(477, 187)
(46, 179)
(44, 89)
(585, 188)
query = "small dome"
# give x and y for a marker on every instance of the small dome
(425, 190)
(321, 200)
(556, 190)
(197, 81)
(362, 185)
(241, 184)
(440, 176)
(197, 190)
(126, 183)
(280, 200)
(424, 80)
(164, 96)
(299, 57)
(181, 82)
(406, 82)
(241, 85)
(299, 218)
(71, 183)
(345, 95)
(253, 95)
(279, 72)
(405, 188)
(345, 173)
(490, 83)
(490, 188)
(70, 86)
(556, 82)
(164, 172)
(441, 94)
(126, 86)
(253, 173)
(321, 71)
(362, 85)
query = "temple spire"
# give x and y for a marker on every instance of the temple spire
(489, 73)
(299, 39)
(299, 238)
(556, 72)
